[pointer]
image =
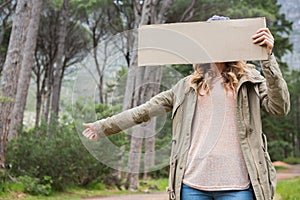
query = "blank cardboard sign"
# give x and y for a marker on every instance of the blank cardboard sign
(200, 42)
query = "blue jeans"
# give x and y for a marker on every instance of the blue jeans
(188, 193)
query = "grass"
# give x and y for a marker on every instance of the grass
(76, 193)
(280, 168)
(288, 189)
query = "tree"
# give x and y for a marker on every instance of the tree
(25, 73)
(139, 86)
(103, 21)
(7, 9)
(145, 13)
(11, 70)
(76, 48)
(59, 60)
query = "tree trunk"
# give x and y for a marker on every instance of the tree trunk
(98, 68)
(134, 161)
(59, 61)
(47, 91)
(149, 9)
(11, 70)
(137, 133)
(40, 87)
(153, 76)
(25, 73)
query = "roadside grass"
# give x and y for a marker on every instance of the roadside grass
(15, 191)
(280, 168)
(288, 189)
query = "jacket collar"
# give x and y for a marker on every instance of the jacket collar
(252, 76)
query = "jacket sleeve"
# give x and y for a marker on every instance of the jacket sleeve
(275, 97)
(157, 105)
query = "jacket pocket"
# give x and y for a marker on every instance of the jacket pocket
(270, 168)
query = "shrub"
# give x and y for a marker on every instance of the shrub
(34, 186)
(292, 160)
(279, 149)
(3, 178)
(58, 154)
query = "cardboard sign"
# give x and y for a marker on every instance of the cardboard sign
(200, 42)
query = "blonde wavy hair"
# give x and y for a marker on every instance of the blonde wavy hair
(203, 75)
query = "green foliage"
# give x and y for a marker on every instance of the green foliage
(5, 29)
(185, 70)
(289, 189)
(60, 156)
(35, 186)
(161, 173)
(3, 178)
(95, 186)
(56, 4)
(278, 168)
(292, 160)
(100, 16)
(279, 149)
(154, 184)
(285, 130)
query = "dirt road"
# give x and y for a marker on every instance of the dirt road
(291, 172)
(150, 196)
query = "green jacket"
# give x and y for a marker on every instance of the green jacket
(254, 91)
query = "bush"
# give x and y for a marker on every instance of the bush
(291, 160)
(59, 155)
(279, 149)
(34, 186)
(3, 178)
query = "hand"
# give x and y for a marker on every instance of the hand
(264, 37)
(89, 132)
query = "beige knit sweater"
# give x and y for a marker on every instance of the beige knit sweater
(215, 161)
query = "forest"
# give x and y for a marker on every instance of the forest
(65, 62)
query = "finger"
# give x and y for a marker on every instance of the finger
(87, 133)
(259, 39)
(90, 134)
(263, 30)
(262, 38)
(262, 34)
(257, 35)
(94, 137)
(89, 125)
(267, 43)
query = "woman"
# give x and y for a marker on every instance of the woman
(218, 149)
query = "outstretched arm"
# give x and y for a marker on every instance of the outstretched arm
(159, 104)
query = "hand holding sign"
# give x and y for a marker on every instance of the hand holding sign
(264, 37)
